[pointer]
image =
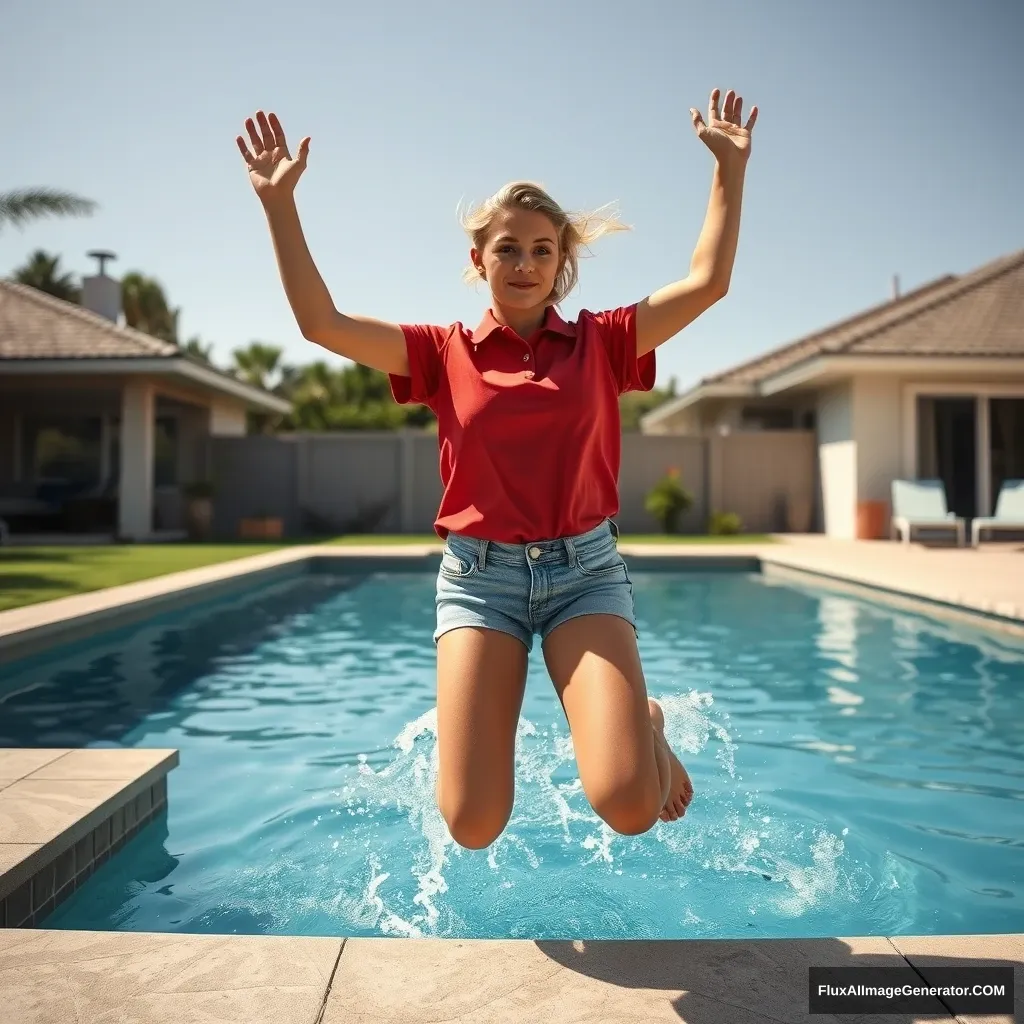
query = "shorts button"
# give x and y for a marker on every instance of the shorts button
(534, 552)
(526, 358)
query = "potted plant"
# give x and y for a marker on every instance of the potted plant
(725, 524)
(668, 500)
(198, 497)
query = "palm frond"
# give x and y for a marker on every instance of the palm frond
(33, 203)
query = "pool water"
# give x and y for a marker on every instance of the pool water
(858, 770)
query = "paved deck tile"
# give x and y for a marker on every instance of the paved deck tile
(492, 982)
(58, 977)
(16, 764)
(931, 955)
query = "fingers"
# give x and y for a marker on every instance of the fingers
(713, 114)
(277, 131)
(698, 121)
(246, 155)
(254, 136)
(265, 130)
(732, 110)
(730, 102)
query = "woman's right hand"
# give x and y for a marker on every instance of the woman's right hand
(272, 170)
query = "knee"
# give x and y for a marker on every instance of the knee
(474, 827)
(629, 808)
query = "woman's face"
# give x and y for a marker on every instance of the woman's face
(520, 259)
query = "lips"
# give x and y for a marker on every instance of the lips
(523, 285)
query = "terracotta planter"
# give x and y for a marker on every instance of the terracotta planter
(199, 518)
(872, 520)
(261, 528)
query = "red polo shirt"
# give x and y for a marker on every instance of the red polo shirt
(528, 429)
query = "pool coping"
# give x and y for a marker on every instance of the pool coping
(34, 627)
(160, 978)
(64, 812)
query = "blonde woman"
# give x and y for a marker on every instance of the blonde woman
(529, 437)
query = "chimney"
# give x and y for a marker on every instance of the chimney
(100, 293)
(895, 287)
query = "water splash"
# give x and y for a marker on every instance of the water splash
(552, 819)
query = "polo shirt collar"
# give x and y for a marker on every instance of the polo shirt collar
(552, 322)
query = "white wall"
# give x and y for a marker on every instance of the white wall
(878, 426)
(837, 460)
(227, 419)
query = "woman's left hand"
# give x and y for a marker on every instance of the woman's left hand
(724, 134)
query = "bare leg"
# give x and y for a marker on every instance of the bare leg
(626, 767)
(481, 679)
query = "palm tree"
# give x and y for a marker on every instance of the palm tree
(146, 309)
(194, 347)
(258, 363)
(42, 272)
(33, 203)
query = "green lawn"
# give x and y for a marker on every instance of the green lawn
(32, 574)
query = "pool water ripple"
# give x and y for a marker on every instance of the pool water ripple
(858, 770)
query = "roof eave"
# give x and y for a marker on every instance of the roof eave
(823, 368)
(175, 366)
(694, 396)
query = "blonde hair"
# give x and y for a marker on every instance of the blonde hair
(575, 230)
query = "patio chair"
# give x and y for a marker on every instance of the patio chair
(1009, 512)
(921, 504)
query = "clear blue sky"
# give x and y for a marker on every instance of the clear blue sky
(890, 140)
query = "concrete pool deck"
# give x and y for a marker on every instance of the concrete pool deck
(53, 977)
(58, 808)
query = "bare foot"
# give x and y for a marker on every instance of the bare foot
(680, 790)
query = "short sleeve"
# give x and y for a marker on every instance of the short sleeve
(617, 328)
(423, 345)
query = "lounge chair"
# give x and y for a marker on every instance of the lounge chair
(921, 504)
(1009, 512)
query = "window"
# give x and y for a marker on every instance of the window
(766, 418)
(62, 449)
(165, 452)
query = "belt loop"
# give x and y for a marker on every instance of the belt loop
(481, 558)
(570, 549)
(615, 528)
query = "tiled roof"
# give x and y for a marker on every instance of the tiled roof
(976, 314)
(34, 325)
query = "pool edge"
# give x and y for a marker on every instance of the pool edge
(28, 630)
(103, 796)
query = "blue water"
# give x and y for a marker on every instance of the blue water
(858, 770)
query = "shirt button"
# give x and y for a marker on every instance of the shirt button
(534, 552)
(526, 358)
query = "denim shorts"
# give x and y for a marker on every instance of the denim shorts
(527, 590)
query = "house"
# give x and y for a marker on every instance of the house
(101, 425)
(927, 385)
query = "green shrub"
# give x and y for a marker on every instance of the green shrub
(668, 500)
(723, 524)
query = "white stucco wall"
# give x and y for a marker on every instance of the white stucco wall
(227, 419)
(837, 460)
(877, 430)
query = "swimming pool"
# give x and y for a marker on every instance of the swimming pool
(858, 770)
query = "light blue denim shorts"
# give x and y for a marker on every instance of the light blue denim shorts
(529, 589)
